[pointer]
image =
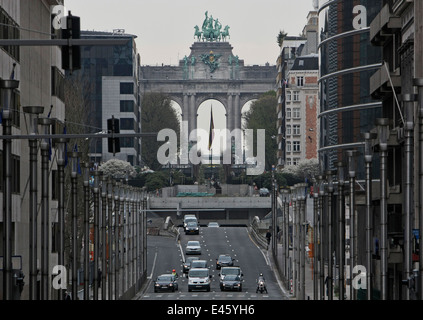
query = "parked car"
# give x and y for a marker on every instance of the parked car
(264, 192)
(192, 228)
(199, 278)
(166, 282)
(187, 264)
(231, 282)
(224, 260)
(193, 247)
(199, 264)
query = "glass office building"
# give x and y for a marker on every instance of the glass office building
(347, 61)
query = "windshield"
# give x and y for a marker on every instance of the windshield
(225, 258)
(232, 277)
(198, 273)
(164, 278)
(230, 271)
(193, 243)
(192, 224)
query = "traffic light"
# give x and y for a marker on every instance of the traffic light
(71, 55)
(113, 143)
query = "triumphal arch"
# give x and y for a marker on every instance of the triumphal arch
(210, 71)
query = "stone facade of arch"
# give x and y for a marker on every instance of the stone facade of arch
(211, 71)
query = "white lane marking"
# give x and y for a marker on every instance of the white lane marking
(154, 265)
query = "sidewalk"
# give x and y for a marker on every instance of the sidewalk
(309, 274)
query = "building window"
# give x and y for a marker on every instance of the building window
(288, 161)
(288, 113)
(57, 83)
(296, 96)
(126, 106)
(288, 95)
(300, 82)
(296, 129)
(288, 130)
(296, 161)
(296, 146)
(296, 113)
(127, 124)
(126, 88)
(9, 30)
(127, 142)
(288, 146)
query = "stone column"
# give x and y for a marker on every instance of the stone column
(229, 113)
(186, 110)
(193, 114)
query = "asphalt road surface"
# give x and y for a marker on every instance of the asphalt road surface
(165, 254)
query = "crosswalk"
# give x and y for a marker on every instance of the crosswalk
(205, 296)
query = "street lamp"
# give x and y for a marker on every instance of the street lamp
(315, 238)
(7, 87)
(110, 235)
(329, 175)
(418, 82)
(352, 158)
(383, 135)
(368, 158)
(285, 201)
(74, 156)
(61, 162)
(33, 112)
(321, 183)
(45, 226)
(96, 174)
(301, 196)
(408, 100)
(103, 235)
(86, 180)
(341, 228)
(294, 237)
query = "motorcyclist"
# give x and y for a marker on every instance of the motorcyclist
(261, 280)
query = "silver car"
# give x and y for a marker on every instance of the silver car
(193, 247)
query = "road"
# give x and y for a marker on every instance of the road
(165, 254)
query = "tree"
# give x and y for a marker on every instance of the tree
(281, 36)
(156, 114)
(156, 180)
(262, 115)
(118, 169)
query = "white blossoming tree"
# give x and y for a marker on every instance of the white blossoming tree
(118, 169)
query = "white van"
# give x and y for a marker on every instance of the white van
(189, 218)
(199, 279)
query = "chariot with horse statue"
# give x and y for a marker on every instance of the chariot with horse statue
(211, 30)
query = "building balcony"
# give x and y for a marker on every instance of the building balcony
(380, 82)
(384, 26)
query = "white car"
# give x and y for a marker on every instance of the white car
(199, 278)
(193, 247)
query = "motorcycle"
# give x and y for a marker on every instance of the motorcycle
(261, 286)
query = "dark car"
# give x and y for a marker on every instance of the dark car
(192, 228)
(264, 192)
(231, 282)
(224, 260)
(187, 264)
(165, 282)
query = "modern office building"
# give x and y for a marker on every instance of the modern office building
(397, 31)
(38, 70)
(112, 73)
(347, 61)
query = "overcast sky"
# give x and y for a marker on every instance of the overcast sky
(165, 28)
